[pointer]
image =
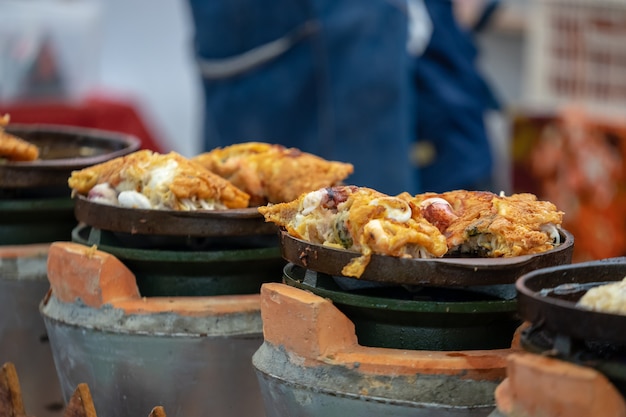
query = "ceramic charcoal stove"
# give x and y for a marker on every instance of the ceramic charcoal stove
(36, 209)
(573, 360)
(411, 337)
(175, 319)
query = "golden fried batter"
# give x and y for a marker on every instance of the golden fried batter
(485, 224)
(359, 219)
(13, 148)
(272, 173)
(168, 181)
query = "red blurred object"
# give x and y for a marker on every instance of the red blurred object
(96, 112)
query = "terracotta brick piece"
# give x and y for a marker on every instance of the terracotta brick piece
(547, 387)
(78, 272)
(97, 278)
(314, 329)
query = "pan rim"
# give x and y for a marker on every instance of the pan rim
(430, 271)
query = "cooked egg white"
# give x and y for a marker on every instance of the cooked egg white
(395, 209)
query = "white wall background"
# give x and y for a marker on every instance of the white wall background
(146, 52)
(140, 50)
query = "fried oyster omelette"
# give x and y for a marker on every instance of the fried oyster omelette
(13, 148)
(457, 223)
(359, 219)
(149, 180)
(483, 224)
(272, 173)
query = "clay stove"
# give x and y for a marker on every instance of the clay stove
(161, 307)
(36, 209)
(400, 341)
(572, 362)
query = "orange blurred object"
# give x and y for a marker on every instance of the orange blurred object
(576, 161)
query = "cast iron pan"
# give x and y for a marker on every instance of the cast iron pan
(62, 149)
(548, 297)
(427, 272)
(201, 223)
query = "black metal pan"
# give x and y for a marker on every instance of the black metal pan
(201, 223)
(458, 272)
(548, 298)
(62, 150)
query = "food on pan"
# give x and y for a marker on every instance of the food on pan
(607, 298)
(149, 180)
(483, 224)
(273, 173)
(361, 220)
(457, 223)
(13, 148)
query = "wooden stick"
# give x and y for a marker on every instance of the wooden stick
(11, 404)
(81, 403)
(158, 411)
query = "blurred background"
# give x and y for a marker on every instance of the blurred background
(133, 59)
(558, 69)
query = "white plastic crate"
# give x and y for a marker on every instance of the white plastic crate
(576, 55)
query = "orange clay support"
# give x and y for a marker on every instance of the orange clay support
(314, 331)
(97, 278)
(547, 387)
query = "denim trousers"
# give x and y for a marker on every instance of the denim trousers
(328, 77)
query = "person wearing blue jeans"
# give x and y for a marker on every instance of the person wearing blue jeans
(329, 77)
